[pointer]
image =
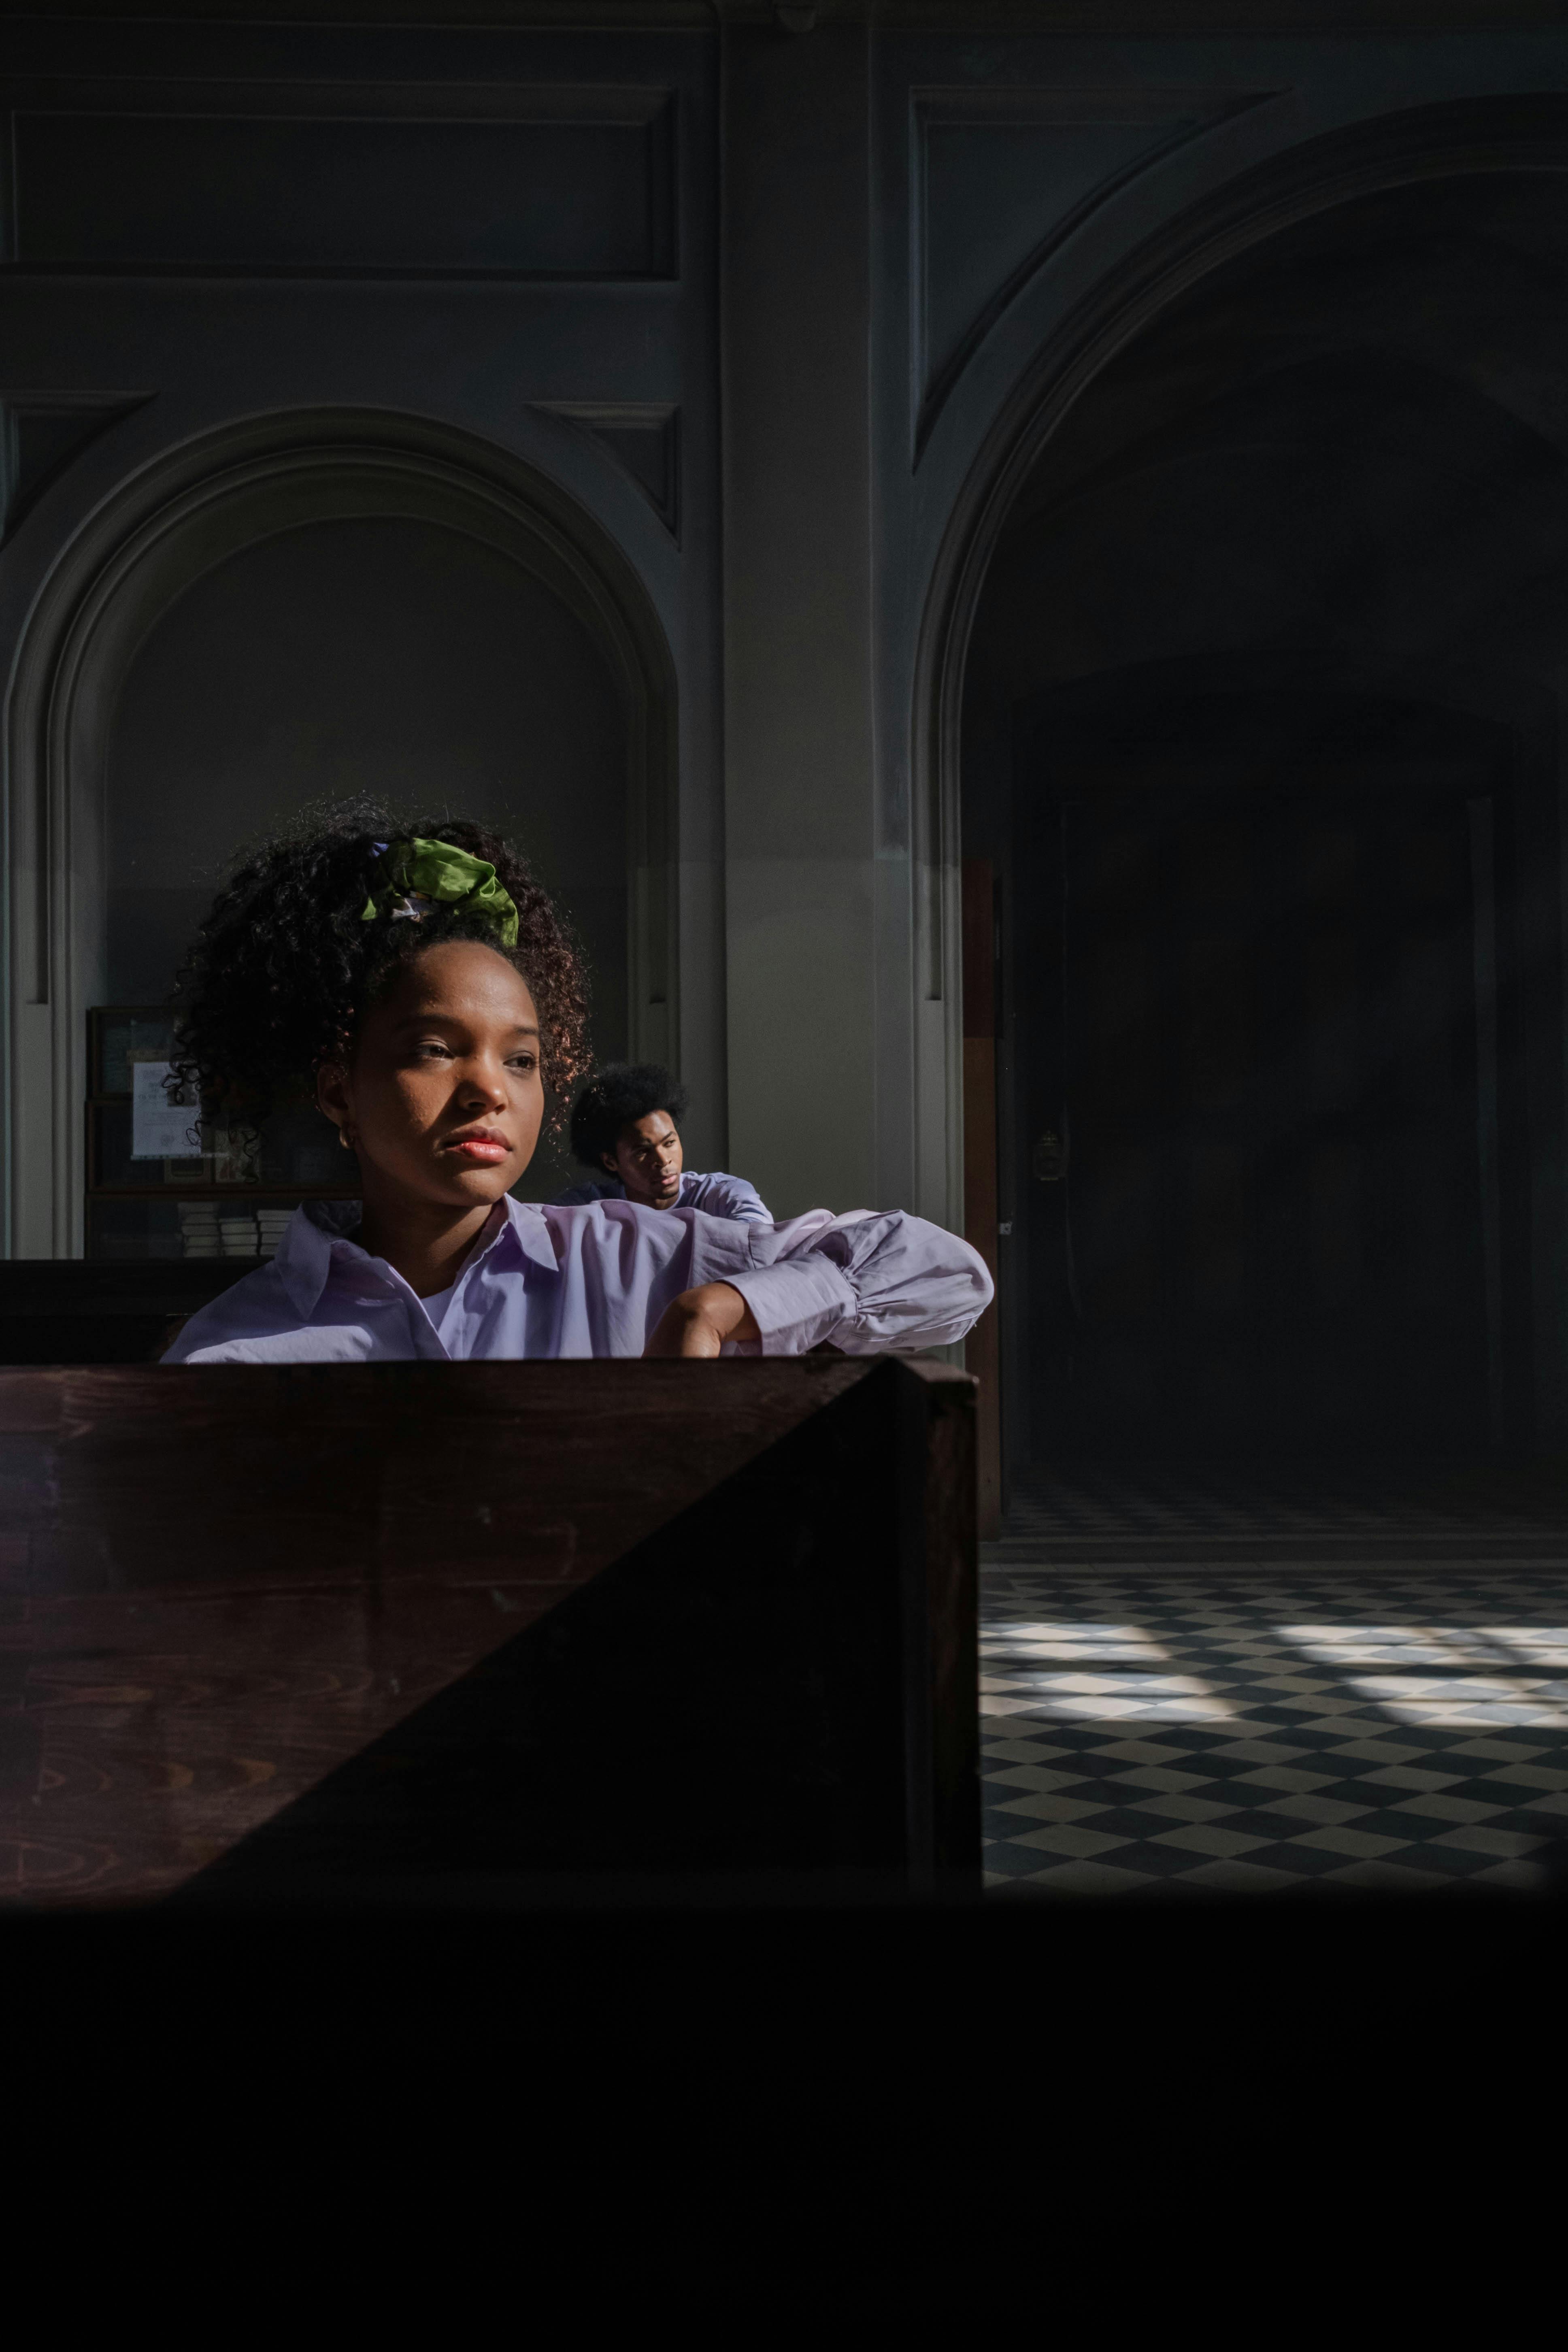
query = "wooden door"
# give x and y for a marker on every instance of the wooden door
(1262, 1051)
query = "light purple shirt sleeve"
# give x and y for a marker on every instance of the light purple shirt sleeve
(862, 1282)
(553, 1281)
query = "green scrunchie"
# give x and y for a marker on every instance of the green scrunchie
(439, 875)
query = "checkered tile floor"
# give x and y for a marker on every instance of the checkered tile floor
(1230, 1729)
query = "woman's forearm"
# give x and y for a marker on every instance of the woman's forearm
(698, 1322)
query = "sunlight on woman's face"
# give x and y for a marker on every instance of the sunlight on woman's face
(444, 1099)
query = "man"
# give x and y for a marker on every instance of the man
(625, 1127)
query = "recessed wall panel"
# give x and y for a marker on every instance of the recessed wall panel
(170, 191)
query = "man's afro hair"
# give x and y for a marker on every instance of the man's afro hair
(622, 1093)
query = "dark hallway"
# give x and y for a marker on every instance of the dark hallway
(1261, 756)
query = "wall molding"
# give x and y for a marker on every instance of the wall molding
(1130, 129)
(257, 176)
(43, 433)
(641, 438)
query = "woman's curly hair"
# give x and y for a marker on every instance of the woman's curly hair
(283, 968)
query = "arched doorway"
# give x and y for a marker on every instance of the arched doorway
(1260, 748)
(303, 607)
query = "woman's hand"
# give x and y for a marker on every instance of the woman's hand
(698, 1322)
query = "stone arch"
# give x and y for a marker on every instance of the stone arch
(1422, 144)
(141, 551)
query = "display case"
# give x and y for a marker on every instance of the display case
(228, 1193)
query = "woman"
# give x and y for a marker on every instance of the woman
(626, 1126)
(424, 980)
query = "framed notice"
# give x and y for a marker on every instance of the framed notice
(160, 1128)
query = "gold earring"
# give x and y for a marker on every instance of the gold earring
(345, 1139)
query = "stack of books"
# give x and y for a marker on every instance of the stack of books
(220, 1229)
(198, 1229)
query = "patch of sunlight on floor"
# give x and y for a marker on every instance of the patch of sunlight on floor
(1073, 1670)
(1488, 1675)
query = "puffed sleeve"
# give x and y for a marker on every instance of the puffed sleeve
(862, 1281)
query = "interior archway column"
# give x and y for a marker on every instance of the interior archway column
(799, 667)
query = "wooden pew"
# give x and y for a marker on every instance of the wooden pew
(486, 1633)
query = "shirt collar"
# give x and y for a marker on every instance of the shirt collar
(528, 1232)
(321, 1233)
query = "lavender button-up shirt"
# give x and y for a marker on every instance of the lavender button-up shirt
(548, 1282)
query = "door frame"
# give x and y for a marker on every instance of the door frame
(981, 1167)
